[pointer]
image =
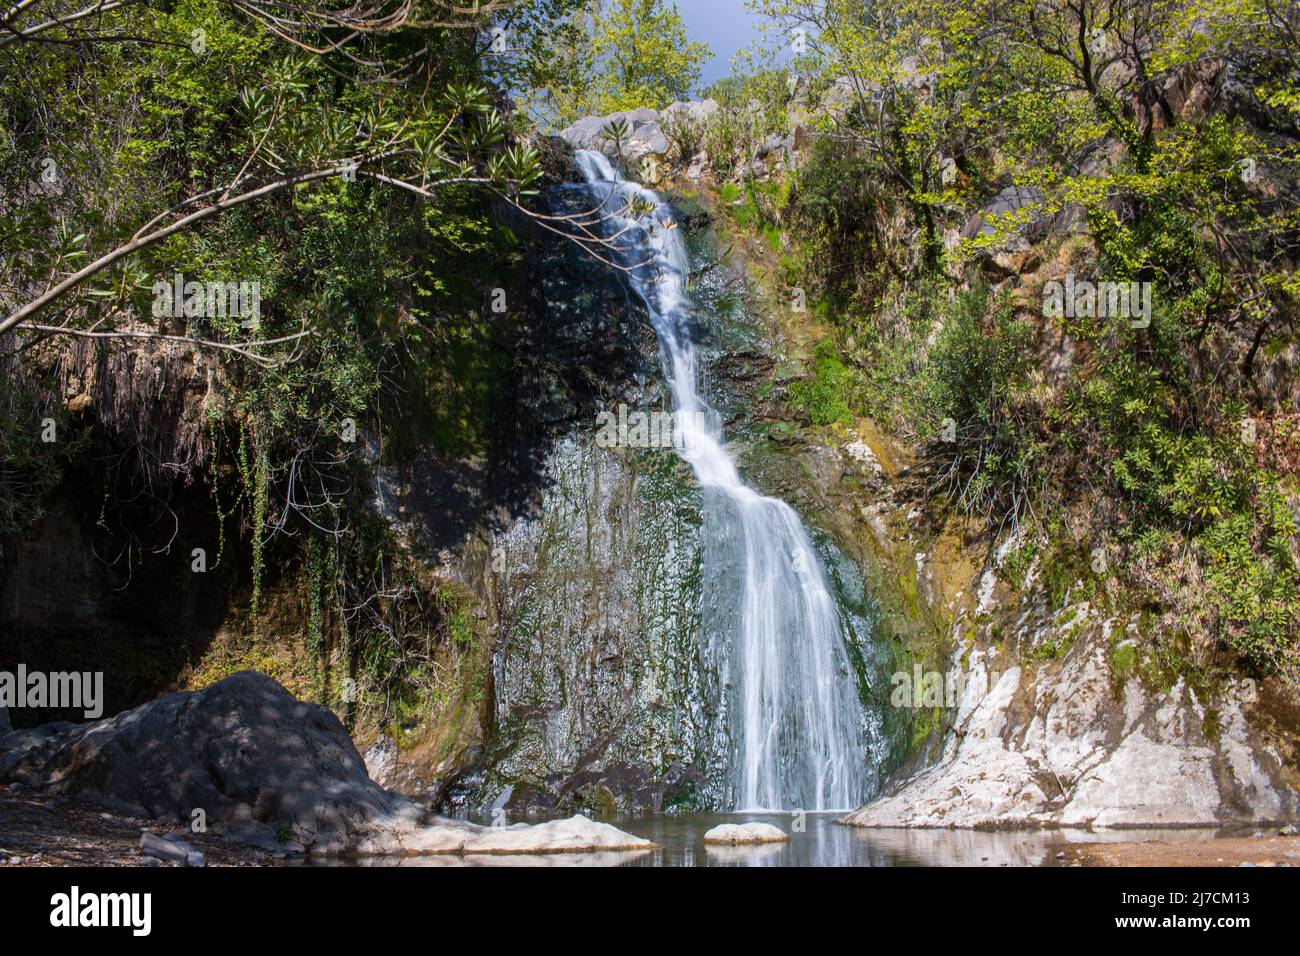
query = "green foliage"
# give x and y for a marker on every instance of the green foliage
(390, 285)
(751, 108)
(643, 56)
(604, 57)
(826, 397)
(980, 389)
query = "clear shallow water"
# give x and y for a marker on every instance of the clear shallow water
(823, 842)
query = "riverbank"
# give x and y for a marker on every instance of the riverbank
(38, 830)
(1261, 850)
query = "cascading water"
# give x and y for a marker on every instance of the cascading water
(791, 708)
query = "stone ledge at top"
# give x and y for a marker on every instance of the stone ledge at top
(646, 135)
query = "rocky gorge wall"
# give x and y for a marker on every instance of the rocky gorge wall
(1057, 715)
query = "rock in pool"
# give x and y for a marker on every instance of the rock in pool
(736, 834)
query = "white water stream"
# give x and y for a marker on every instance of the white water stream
(792, 710)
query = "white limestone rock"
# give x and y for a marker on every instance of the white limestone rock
(738, 834)
(1055, 744)
(407, 835)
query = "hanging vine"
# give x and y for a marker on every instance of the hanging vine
(315, 616)
(255, 475)
(223, 514)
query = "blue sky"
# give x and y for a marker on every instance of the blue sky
(725, 25)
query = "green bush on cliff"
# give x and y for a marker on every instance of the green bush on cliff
(826, 397)
(978, 380)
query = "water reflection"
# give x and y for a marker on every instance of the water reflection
(821, 842)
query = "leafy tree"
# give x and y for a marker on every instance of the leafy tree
(356, 163)
(612, 55)
(644, 56)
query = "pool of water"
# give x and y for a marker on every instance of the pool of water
(815, 840)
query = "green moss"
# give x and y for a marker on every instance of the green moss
(1212, 724)
(826, 396)
(1123, 659)
(1049, 650)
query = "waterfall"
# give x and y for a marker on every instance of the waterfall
(791, 709)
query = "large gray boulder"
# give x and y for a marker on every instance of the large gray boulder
(244, 751)
(644, 133)
(250, 760)
(646, 128)
(1010, 200)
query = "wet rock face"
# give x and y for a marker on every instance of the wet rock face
(607, 686)
(601, 696)
(601, 699)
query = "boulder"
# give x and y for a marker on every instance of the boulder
(577, 834)
(263, 767)
(646, 128)
(692, 111)
(645, 136)
(243, 751)
(169, 848)
(735, 834)
(698, 165)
